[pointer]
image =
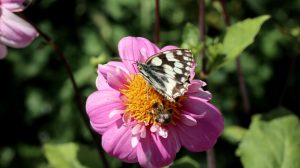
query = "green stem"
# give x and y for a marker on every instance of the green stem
(210, 155)
(202, 38)
(157, 23)
(67, 66)
(242, 84)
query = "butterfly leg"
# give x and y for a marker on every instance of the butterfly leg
(134, 68)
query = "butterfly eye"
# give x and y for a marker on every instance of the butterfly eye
(139, 66)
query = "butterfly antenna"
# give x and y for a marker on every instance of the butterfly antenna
(124, 59)
(134, 63)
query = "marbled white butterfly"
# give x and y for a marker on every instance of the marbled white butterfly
(168, 72)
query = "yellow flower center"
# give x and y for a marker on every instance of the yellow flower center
(142, 100)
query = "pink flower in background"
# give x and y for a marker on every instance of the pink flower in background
(119, 110)
(14, 31)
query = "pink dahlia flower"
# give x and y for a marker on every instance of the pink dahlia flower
(14, 31)
(120, 111)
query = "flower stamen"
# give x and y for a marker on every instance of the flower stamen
(141, 103)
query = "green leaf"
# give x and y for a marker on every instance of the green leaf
(190, 40)
(272, 141)
(36, 104)
(184, 162)
(63, 155)
(190, 36)
(7, 155)
(89, 157)
(234, 134)
(74, 155)
(241, 35)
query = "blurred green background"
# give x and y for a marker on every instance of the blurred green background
(37, 109)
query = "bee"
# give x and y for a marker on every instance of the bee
(161, 114)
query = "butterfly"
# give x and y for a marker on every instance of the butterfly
(168, 72)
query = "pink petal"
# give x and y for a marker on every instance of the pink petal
(101, 83)
(169, 47)
(192, 74)
(135, 141)
(112, 75)
(136, 129)
(112, 67)
(100, 107)
(13, 5)
(188, 120)
(14, 31)
(117, 142)
(135, 49)
(195, 90)
(116, 81)
(204, 135)
(3, 51)
(155, 151)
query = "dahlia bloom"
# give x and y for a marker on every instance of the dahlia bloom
(14, 31)
(119, 111)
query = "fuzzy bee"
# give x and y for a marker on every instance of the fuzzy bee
(161, 114)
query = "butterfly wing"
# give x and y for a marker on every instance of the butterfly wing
(168, 72)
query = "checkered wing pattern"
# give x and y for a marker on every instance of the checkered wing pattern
(168, 72)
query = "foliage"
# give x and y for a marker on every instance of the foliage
(185, 161)
(272, 142)
(240, 35)
(64, 155)
(234, 134)
(72, 155)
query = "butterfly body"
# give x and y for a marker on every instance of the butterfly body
(168, 72)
